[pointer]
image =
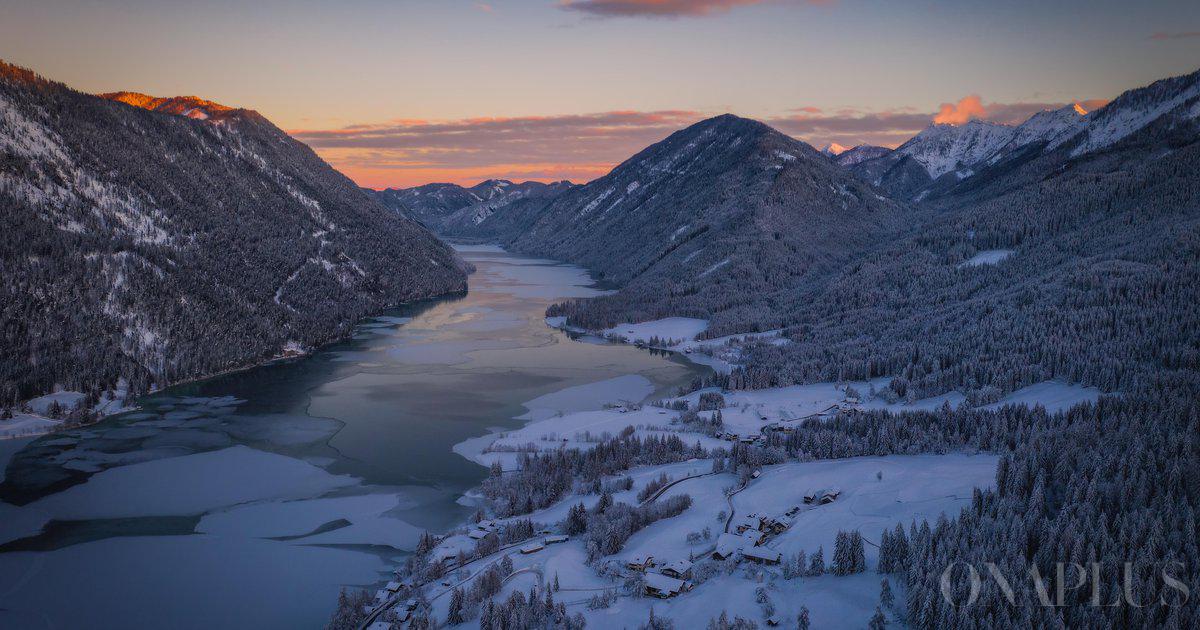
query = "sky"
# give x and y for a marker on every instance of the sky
(403, 92)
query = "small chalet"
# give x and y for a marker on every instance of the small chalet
(557, 538)
(727, 545)
(661, 586)
(532, 547)
(762, 555)
(478, 534)
(640, 562)
(822, 496)
(752, 538)
(679, 569)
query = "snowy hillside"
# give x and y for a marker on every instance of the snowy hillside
(154, 240)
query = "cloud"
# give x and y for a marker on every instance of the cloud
(408, 152)
(582, 147)
(958, 113)
(661, 8)
(1165, 35)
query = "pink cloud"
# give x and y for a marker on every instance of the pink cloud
(580, 147)
(662, 8)
(958, 113)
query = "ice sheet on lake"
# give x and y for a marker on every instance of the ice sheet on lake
(192, 484)
(367, 514)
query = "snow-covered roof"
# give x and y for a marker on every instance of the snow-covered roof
(532, 547)
(727, 544)
(678, 566)
(393, 586)
(478, 534)
(761, 553)
(557, 538)
(663, 583)
(641, 559)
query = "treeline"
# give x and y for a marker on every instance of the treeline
(544, 478)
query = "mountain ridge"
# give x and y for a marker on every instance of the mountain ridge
(160, 248)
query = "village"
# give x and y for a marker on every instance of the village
(772, 544)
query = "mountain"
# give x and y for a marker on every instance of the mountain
(1084, 242)
(860, 153)
(453, 210)
(189, 106)
(708, 222)
(833, 149)
(175, 238)
(945, 157)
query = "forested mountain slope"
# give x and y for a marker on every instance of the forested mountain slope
(710, 222)
(162, 245)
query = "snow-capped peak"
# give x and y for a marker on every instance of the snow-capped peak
(942, 148)
(833, 149)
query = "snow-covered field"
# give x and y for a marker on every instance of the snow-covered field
(38, 422)
(911, 487)
(986, 257)
(674, 328)
(875, 493)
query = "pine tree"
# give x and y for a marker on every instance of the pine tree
(455, 615)
(802, 619)
(816, 566)
(878, 621)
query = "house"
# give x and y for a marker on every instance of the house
(392, 587)
(747, 523)
(727, 545)
(752, 538)
(382, 595)
(792, 512)
(679, 569)
(822, 496)
(829, 496)
(410, 604)
(532, 547)
(773, 525)
(773, 620)
(756, 474)
(762, 555)
(640, 562)
(478, 534)
(661, 586)
(557, 538)
(488, 526)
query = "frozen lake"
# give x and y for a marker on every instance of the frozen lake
(250, 499)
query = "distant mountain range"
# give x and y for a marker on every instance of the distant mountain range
(936, 160)
(455, 211)
(155, 240)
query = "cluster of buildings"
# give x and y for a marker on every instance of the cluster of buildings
(669, 580)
